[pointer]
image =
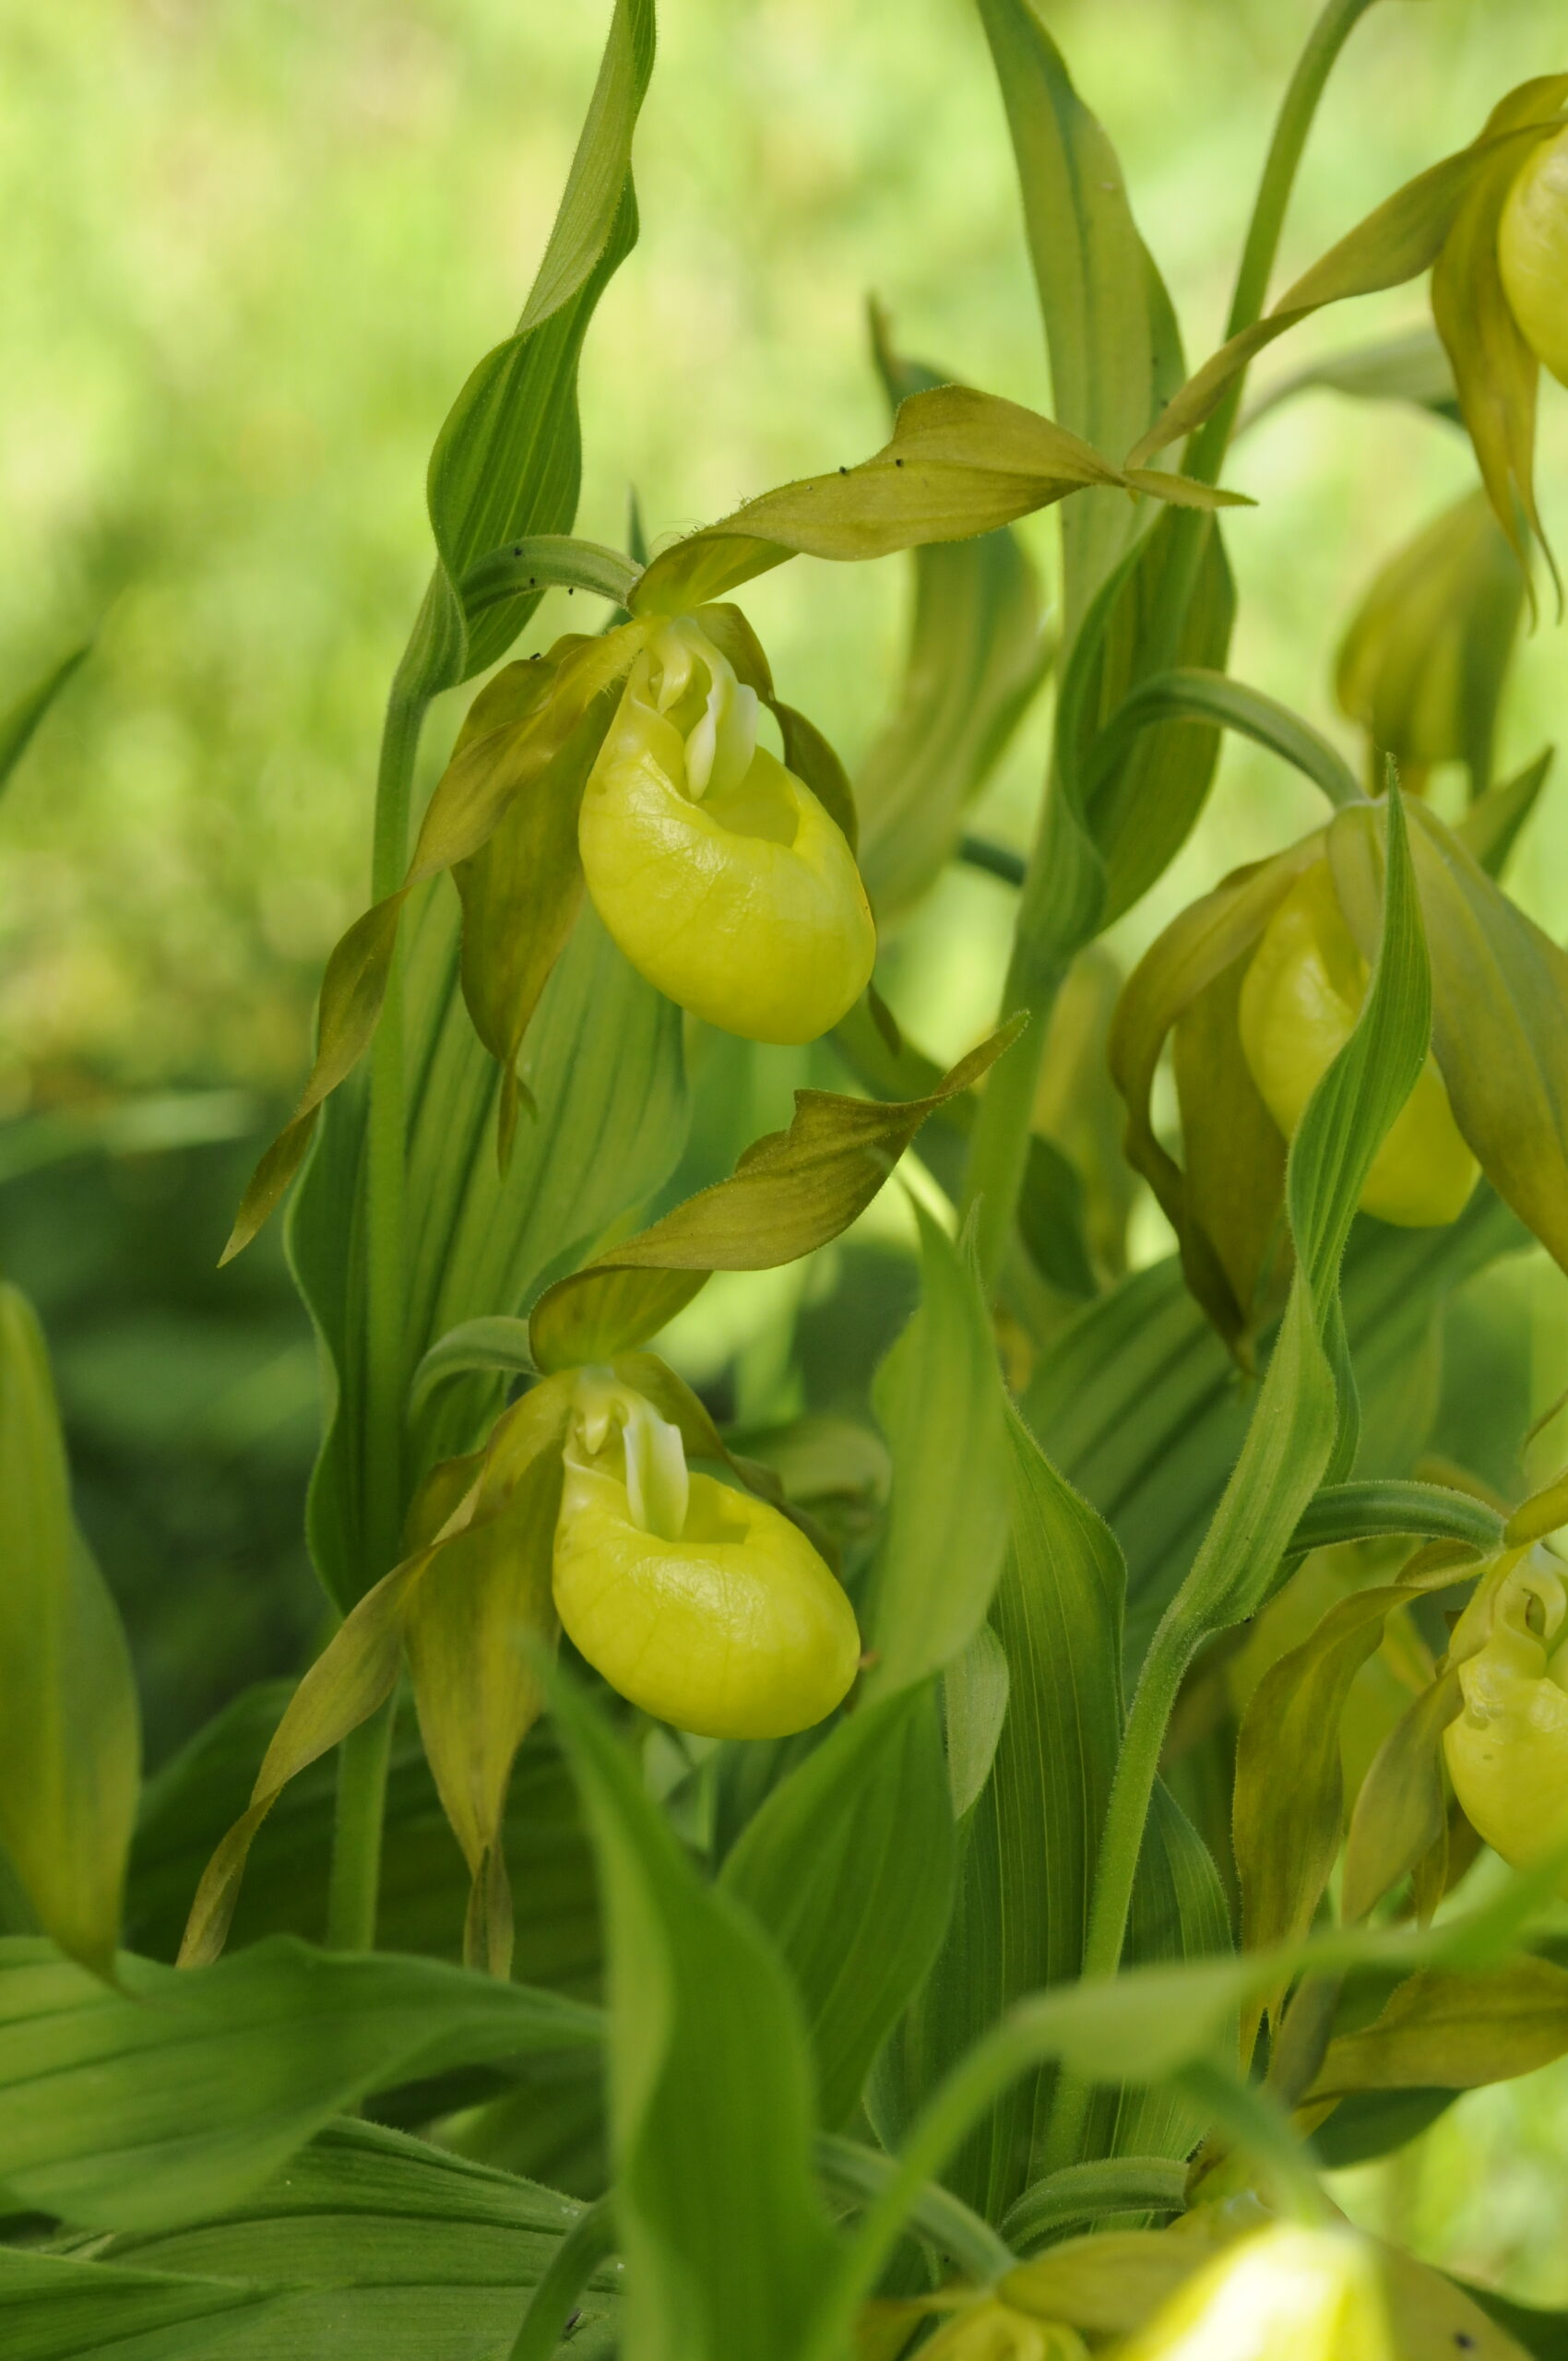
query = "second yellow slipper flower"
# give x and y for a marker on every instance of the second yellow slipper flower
(717, 871)
(698, 1602)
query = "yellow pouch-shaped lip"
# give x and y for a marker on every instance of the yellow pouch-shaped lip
(1507, 1751)
(1285, 2294)
(734, 1629)
(1300, 1001)
(1532, 253)
(738, 897)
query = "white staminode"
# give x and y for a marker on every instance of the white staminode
(657, 1484)
(721, 742)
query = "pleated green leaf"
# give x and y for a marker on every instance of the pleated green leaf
(791, 1193)
(1115, 352)
(1455, 2031)
(1032, 1840)
(960, 463)
(70, 1740)
(603, 1061)
(54, 2308)
(1422, 662)
(169, 2099)
(977, 653)
(20, 720)
(508, 462)
(725, 2241)
(850, 1866)
(368, 2245)
(940, 1399)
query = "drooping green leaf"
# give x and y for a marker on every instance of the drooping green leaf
(1091, 2192)
(169, 2099)
(792, 1191)
(1115, 352)
(602, 1062)
(1389, 1509)
(959, 463)
(424, 1881)
(725, 2243)
(1402, 238)
(1455, 2031)
(849, 1865)
(20, 720)
(940, 1399)
(977, 652)
(1495, 371)
(507, 461)
(70, 1740)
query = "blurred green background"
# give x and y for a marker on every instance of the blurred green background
(254, 248)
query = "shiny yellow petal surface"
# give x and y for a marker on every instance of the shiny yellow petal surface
(735, 1630)
(1287, 2294)
(1299, 1001)
(1508, 1751)
(1532, 253)
(717, 871)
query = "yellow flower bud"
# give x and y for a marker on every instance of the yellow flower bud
(701, 1603)
(1508, 1751)
(717, 871)
(1532, 253)
(1301, 997)
(994, 2331)
(1286, 2293)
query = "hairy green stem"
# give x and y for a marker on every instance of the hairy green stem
(362, 1762)
(587, 2244)
(354, 1885)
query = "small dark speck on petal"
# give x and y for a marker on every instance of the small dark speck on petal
(897, 463)
(1464, 2340)
(518, 552)
(843, 472)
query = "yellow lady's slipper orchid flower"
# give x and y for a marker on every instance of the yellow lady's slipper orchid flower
(717, 871)
(1286, 2293)
(1508, 1751)
(994, 2332)
(1301, 997)
(701, 1603)
(1532, 253)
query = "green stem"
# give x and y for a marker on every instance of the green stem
(355, 1880)
(362, 1765)
(1297, 110)
(585, 2244)
(1121, 1839)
